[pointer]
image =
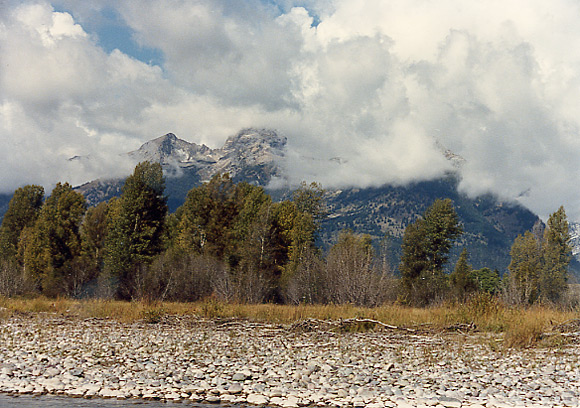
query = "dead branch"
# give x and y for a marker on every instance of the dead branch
(385, 325)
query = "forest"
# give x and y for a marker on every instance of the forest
(232, 242)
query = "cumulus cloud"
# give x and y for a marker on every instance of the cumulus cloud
(364, 90)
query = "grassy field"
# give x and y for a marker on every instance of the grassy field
(521, 326)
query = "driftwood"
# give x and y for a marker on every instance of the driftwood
(306, 345)
(461, 327)
(569, 326)
(317, 325)
(309, 325)
(386, 326)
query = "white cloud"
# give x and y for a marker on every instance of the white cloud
(371, 82)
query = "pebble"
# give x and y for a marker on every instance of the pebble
(258, 364)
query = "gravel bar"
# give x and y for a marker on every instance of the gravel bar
(189, 359)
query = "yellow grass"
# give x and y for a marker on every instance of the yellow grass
(521, 327)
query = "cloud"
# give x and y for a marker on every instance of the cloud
(362, 89)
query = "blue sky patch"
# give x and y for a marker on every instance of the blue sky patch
(112, 32)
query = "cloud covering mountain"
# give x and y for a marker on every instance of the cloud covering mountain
(377, 84)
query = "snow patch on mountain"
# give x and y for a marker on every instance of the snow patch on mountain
(574, 230)
(258, 151)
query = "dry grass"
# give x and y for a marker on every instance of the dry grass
(521, 327)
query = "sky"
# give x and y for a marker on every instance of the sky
(379, 84)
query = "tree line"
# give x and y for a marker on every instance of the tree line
(233, 242)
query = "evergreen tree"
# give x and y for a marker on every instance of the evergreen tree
(51, 247)
(207, 217)
(461, 279)
(557, 253)
(414, 260)
(487, 281)
(426, 246)
(22, 212)
(137, 224)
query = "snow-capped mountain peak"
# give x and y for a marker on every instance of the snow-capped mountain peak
(257, 152)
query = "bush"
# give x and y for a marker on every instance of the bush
(12, 280)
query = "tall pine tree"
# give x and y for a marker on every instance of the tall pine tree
(557, 256)
(22, 212)
(426, 246)
(461, 280)
(136, 227)
(51, 247)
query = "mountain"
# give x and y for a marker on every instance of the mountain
(252, 155)
(574, 229)
(256, 156)
(489, 226)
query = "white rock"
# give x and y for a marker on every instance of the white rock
(257, 399)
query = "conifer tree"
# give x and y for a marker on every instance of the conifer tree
(487, 281)
(22, 212)
(426, 246)
(52, 244)
(207, 217)
(136, 230)
(461, 279)
(557, 253)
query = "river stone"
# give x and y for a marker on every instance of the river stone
(38, 390)
(173, 396)
(290, 402)
(240, 376)
(449, 402)
(76, 372)
(313, 368)
(77, 392)
(51, 372)
(276, 401)
(195, 398)
(358, 402)
(277, 392)
(213, 399)
(198, 374)
(257, 399)
(235, 388)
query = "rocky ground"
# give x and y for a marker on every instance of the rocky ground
(236, 362)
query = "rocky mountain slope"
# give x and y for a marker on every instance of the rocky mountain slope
(256, 156)
(489, 226)
(252, 155)
(575, 235)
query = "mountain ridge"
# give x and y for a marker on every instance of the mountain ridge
(257, 156)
